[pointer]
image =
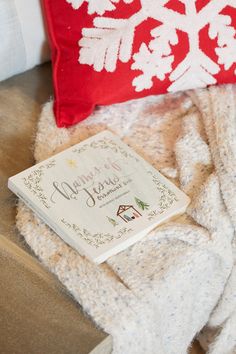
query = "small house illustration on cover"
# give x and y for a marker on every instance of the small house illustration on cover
(128, 213)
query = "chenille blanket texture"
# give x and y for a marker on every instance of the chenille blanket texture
(180, 280)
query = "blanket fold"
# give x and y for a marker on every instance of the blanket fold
(157, 295)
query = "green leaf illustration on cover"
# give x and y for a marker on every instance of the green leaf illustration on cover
(142, 205)
(112, 221)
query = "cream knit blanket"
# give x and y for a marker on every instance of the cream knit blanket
(157, 295)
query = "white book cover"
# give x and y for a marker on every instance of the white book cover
(99, 195)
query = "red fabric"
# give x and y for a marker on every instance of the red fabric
(78, 88)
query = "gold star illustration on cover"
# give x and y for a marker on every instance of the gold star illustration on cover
(71, 163)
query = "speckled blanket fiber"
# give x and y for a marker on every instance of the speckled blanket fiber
(157, 295)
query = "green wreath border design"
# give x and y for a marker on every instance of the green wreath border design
(106, 144)
(33, 180)
(167, 197)
(95, 240)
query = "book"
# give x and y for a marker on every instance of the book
(99, 195)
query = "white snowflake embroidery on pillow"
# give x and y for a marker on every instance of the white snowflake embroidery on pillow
(96, 6)
(111, 40)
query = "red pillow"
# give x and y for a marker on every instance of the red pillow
(109, 51)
